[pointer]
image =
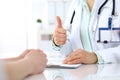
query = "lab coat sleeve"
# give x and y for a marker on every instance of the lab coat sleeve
(100, 59)
(66, 49)
(110, 55)
(55, 47)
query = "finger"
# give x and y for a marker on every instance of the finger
(26, 51)
(59, 23)
(67, 60)
(77, 61)
(72, 55)
(60, 39)
(39, 50)
(59, 36)
(61, 30)
(44, 54)
(60, 43)
(31, 50)
(71, 58)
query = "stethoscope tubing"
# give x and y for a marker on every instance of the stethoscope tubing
(113, 9)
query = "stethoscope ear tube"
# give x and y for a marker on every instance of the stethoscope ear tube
(99, 11)
(113, 10)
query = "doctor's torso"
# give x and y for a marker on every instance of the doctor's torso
(85, 22)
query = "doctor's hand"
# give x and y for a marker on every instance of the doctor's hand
(59, 35)
(81, 56)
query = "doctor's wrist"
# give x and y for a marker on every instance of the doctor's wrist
(55, 47)
(95, 58)
(100, 59)
(55, 43)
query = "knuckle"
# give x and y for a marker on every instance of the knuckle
(82, 55)
(64, 42)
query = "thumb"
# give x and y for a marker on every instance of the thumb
(59, 22)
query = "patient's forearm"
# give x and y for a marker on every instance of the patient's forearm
(11, 59)
(18, 70)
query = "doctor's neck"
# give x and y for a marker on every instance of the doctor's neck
(90, 4)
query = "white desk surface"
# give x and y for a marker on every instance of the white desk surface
(84, 72)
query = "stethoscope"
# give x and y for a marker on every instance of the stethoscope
(110, 19)
(110, 28)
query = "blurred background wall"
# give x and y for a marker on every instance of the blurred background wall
(19, 29)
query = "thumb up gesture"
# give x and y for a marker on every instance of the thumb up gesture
(59, 33)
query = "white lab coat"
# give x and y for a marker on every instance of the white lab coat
(110, 52)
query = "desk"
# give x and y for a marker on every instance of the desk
(84, 72)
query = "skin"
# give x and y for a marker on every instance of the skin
(59, 33)
(90, 4)
(28, 63)
(79, 55)
(22, 55)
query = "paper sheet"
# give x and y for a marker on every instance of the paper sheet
(55, 60)
(57, 63)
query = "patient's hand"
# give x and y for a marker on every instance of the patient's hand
(37, 61)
